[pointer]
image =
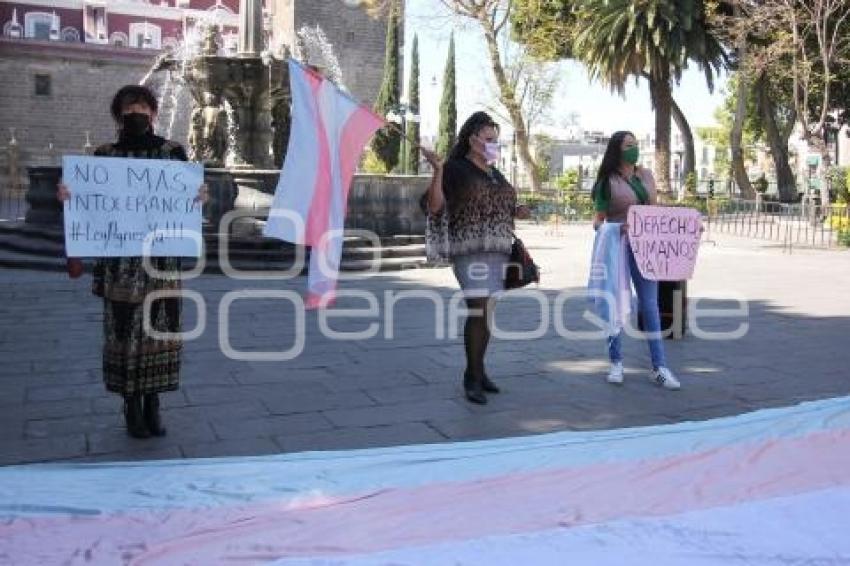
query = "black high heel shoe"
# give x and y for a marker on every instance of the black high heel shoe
(134, 417)
(488, 386)
(153, 419)
(474, 389)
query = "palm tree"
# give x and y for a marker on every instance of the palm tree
(623, 39)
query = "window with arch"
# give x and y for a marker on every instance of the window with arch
(144, 35)
(38, 25)
(119, 39)
(13, 29)
(71, 35)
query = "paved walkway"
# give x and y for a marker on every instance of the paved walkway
(381, 391)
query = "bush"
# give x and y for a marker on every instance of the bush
(530, 200)
(568, 181)
(839, 183)
(570, 204)
(372, 163)
(691, 185)
(695, 202)
(579, 206)
(839, 221)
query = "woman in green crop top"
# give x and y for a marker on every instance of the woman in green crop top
(621, 183)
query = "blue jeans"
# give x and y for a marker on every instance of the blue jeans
(647, 294)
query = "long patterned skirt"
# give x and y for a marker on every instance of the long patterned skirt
(134, 362)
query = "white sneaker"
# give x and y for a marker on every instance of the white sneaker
(615, 374)
(663, 377)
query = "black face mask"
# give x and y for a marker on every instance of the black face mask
(135, 124)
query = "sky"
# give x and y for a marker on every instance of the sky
(597, 107)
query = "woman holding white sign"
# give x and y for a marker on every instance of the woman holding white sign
(621, 183)
(136, 365)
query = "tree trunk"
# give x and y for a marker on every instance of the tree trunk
(778, 142)
(689, 158)
(507, 97)
(739, 170)
(660, 92)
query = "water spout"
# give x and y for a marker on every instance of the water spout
(313, 48)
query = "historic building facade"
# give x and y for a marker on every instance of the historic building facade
(62, 59)
(120, 23)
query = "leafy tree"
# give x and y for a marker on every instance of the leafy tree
(623, 39)
(492, 17)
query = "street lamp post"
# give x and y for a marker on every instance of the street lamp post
(402, 113)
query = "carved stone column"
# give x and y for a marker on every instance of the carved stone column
(250, 28)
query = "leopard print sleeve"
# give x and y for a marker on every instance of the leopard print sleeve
(437, 225)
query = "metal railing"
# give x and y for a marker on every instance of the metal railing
(13, 204)
(792, 225)
(804, 224)
(13, 207)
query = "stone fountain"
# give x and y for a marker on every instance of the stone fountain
(239, 128)
(250, 91)
(239, 122)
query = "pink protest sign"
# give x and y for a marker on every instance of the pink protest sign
(665, 241)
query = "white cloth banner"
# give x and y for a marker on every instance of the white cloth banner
(132, 207)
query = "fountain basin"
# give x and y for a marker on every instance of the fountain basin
(387, 205)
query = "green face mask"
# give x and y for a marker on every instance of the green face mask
(631, 154)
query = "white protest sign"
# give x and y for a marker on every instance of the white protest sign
(132, 207)
(665, 241)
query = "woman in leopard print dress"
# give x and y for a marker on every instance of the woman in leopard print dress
(471, 209)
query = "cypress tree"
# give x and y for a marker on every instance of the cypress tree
(448, 105)
(410, 156)
(386, 141)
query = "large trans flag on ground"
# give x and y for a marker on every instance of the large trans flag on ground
(328, 133)
(769, 488)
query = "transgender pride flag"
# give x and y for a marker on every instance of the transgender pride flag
(769, 488)
(328, 134)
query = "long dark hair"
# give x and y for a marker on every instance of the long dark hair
(472, 126)
(610, 161)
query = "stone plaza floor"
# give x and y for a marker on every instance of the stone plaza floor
(405, 389)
